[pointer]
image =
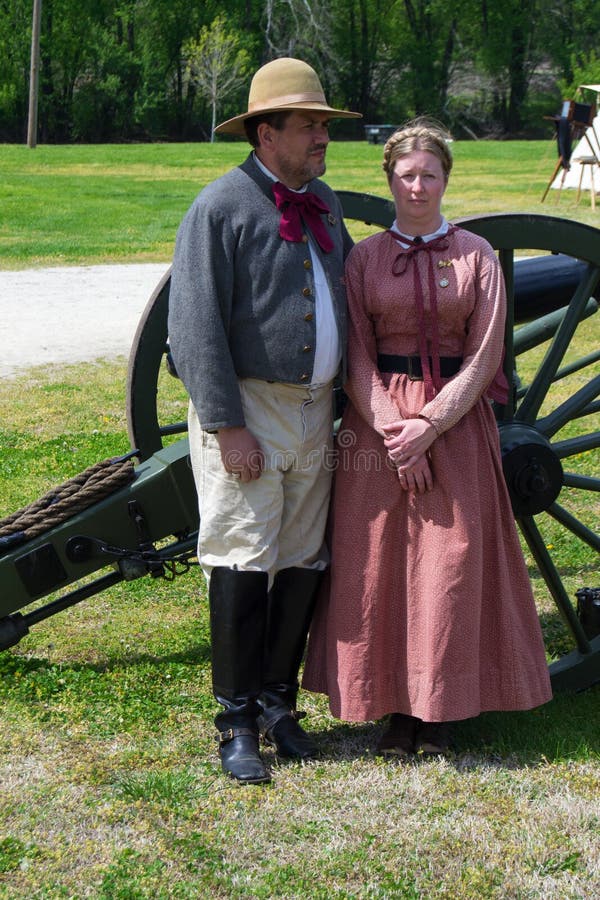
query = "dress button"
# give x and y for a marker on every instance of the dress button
(308, 317)
(306, 291)
(307, 348)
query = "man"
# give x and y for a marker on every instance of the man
(257, 329)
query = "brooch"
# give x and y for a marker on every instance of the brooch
(444, 264)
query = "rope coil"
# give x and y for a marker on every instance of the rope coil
(64, 501)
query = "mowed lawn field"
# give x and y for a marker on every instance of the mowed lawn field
(74, 204)
(110, 785)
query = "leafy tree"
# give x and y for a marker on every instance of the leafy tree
(115, 69)
(367, 73)
(15, 44)
(304, 29)
(569, 33)
(103, 103)
(164, 107)
(296, 27)
(510, 53)
(104, 97)
(428, 51)
(585, 71)
(216, 64)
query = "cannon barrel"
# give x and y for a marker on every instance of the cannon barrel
(544, 284)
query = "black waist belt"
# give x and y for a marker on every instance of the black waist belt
(411, 365)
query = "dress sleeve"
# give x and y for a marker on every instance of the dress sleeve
(483, 346)
(364, 385)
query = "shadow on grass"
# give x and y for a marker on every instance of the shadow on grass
(562, 730)
(156, 684)
(119, 695)
(198, 654)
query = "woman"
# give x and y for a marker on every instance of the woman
(430, 616)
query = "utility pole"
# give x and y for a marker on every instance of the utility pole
(34, 75)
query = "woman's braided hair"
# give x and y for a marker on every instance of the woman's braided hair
(418, 134)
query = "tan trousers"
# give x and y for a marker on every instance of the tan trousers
(278, 520)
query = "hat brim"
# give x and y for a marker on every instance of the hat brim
(236, 125)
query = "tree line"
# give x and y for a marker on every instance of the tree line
(144, 70)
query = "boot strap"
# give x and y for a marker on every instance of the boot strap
(223, 737)
(295, 714)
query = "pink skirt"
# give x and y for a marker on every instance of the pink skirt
(428, 609)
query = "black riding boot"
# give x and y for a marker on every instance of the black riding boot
(238, 617)
(291, 605)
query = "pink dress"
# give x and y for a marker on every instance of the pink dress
(429, 609)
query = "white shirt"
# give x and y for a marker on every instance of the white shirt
(328, 352)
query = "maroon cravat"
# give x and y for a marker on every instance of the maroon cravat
(432, 381)
(498, 390)
(296, 206)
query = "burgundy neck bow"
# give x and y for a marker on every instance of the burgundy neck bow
(415, 245)
(427, 348)
(498, 390)
(296, 206)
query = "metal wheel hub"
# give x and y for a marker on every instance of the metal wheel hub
(532, 470)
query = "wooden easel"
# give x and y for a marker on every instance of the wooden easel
(554, 174)
(579, 117)
(562, 162)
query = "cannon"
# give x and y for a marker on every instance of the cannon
(143, 520)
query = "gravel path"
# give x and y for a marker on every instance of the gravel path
(68, 315)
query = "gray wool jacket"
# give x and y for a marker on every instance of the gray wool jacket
(242, 299)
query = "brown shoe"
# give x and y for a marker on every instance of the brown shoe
(399, 739)
(433, 738)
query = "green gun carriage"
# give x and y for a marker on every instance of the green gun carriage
(137, 516)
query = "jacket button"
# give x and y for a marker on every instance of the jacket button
(308, 317)
(307, 348)
(306, 291)
(304, 377)
(305, 239)
(307, 264)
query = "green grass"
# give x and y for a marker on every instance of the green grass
(109, 780)
(64, 205)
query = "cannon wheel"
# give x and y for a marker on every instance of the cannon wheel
(547, 429)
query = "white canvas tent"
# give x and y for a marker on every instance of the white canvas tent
(579, 176)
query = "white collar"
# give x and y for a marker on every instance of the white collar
(426, 237)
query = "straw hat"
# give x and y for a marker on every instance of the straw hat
(283, 84)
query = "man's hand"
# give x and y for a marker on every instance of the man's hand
(241, 453)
